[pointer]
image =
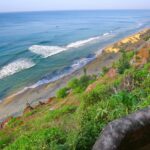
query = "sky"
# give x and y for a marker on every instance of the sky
(38, 5)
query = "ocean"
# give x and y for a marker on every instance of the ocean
(41, 47)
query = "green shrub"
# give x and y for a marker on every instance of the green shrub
(59, 112)
(123, 63)
(72, 84)
(5, 140)
(128, 99)
(14, 122)
(62, 93)
(79, 85)
(100, 92)
(105, 70)
(45, 139)
(89, 129)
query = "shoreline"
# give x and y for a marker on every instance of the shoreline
(15, 104)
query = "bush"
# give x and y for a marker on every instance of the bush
(105, 70)
(62, 93)
(89, 130)
(128, 99)
(14, 122)
(45, 139)
(101, 92)
(73, 83)
(146, 38)
(5, 140)
(123, 63)
(79, 85)
(60, 112)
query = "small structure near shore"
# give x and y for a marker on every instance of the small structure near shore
(129, 133)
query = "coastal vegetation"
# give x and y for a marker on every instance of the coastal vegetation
(76, 86)
(75, 118)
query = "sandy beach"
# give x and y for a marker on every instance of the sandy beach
(15, 104)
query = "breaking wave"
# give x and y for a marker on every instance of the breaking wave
(82, 42)
(14, 67)
(47, 51)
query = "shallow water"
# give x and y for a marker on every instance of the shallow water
(39, 47)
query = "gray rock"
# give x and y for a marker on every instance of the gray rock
(129, 133)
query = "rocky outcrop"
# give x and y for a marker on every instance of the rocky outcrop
(129, 43)
(142, 56)
(129, 133)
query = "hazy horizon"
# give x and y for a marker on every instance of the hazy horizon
(66, 5)
(29, 11)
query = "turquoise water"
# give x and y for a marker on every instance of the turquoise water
(40, 47)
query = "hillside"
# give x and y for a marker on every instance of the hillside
(74, 119)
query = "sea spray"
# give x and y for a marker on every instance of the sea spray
(15, 66)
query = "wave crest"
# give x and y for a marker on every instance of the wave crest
(82, 42)
(14, 67)
(46, 51)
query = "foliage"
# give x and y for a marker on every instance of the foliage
(53, 139)
(79, 85)
(62, 93)
(128, 99)
(146, 38)
(105, 70)
(123, 62)
(101, 92)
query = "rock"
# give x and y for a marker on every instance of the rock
(142, 57)
(128, 133)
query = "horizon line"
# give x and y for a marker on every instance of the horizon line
(24, 11)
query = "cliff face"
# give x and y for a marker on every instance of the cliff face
(130, 43)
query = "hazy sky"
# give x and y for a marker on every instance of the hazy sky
(33, 5)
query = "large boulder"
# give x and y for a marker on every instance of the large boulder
(129, 133)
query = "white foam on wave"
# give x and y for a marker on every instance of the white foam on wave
(80, 63)
(14, 67)
(82, 42)
(105, 34)
(46, 51)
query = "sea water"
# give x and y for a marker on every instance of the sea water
(41, 47)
